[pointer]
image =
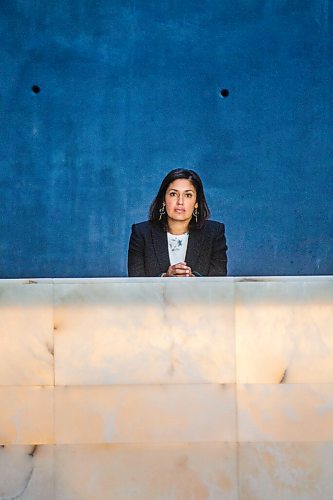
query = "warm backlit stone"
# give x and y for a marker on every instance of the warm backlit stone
(166, 389)
(284, 332)
(144, 414)
(285, 412)
(26, 334)
(285, 470)
(144, 472)
(26, 415)
(144, 333)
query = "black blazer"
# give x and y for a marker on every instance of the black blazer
(148, 250)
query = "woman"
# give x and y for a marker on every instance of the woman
(178, 240)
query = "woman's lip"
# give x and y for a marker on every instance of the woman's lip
(179, 210)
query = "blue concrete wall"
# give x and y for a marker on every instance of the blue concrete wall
(130, 90)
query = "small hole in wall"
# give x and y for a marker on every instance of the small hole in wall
(35, 89)
(224, 93)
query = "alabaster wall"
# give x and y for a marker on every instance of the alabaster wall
(210, 388)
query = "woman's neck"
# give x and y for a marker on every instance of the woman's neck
(177, 227)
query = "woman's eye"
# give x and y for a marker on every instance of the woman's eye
(189, 195)
(172, 193)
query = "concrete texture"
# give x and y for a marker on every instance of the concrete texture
(130, 90)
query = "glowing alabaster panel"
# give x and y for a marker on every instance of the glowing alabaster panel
(26, 472)
(287, 471)
(284, 332)
(26, 415)
(143, 472)
(148, 332)
(174, 413)
(26, 334)
(285, 412)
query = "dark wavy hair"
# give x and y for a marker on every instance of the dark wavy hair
(180, 173)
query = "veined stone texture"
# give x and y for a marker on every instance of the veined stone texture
(144, 333)
(26, 334)
(166, 389)
(284, 333)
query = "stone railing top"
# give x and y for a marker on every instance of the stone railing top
(231, 279)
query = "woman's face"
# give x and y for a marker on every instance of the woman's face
(180, 200)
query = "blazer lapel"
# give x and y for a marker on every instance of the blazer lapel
(195, 242)
(160, 243)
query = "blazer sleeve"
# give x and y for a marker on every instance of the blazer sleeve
(136, 264)
(218, 262)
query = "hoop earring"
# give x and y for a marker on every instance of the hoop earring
(195, 214)
(162, 210)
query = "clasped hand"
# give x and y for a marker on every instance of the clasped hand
(180, 270)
